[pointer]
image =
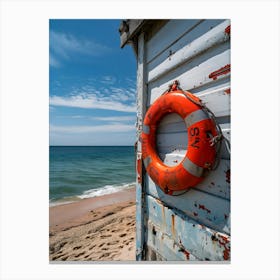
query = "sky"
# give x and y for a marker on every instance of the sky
(92, 84)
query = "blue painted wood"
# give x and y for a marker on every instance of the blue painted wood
(189, 235)
(166, 36)
(190, 30)
(205, 208)
(217, 182)
(194, 73)
(141, 110)
(195, 225)
(165, 245)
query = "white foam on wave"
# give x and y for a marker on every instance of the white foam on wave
(108, 189)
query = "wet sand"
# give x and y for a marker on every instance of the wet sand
(94, 229)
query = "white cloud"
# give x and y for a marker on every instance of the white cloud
(91, 101)
(53, 61)
(110, 128)
(108, 80)
(115, 118)
(63, 46)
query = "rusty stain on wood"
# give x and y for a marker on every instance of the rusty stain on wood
(228, 176)
(225, 242)
(222, 71)
(139, 170)
(173, 224)
(201, 206)
(185, 252)
(227, 91)
(227, 30)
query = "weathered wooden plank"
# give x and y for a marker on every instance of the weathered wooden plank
(217, 182)
(182, 39)
(171, 154)
(160, 246)
(192, 48)
(190, 236)
(194, 73)
(171, 151)
(196, 224)
(167, 35)
(173, 123)
(218, 100)
(204, 207)
(140, 112)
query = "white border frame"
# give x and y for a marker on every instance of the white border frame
(24, 137)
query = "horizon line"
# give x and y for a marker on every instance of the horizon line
(91, 145)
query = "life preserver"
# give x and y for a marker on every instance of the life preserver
(200, 155)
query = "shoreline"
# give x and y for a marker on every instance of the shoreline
(94, 229)
(76, 198)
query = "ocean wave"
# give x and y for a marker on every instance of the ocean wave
(108, 189)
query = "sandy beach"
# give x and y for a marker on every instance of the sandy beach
(94, 229)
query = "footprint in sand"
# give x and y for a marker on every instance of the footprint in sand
(57, 257)
(113, 242)
(108, 214)
(104, 249)
(77, 247)
(122, 235)
(104, 255)
(78, 255)
(52, 249)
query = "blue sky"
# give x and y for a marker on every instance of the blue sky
(92, 84)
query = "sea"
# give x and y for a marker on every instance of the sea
(79, 172)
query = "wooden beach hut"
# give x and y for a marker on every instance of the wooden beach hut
(194, 224)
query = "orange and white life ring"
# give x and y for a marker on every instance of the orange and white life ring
(200, 155)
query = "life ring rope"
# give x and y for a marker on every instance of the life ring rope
(216, 140)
